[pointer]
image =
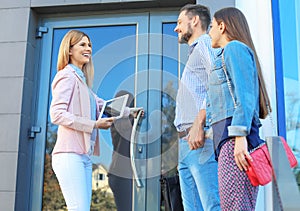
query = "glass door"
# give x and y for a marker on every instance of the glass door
(113, 75)
(118, 55)
(137, 53)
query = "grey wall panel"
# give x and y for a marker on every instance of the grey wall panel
(9, 135)
(44, 3)
(11, 96)
(14, 24)
(12, 59)
(14, 3)
(7, 200)
(8, 163)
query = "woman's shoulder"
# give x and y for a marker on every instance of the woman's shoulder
(238, 49)
(237, 46)
(65, 74)
(67, 70)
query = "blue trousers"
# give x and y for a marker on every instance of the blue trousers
(198, 175)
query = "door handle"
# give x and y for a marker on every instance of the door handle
(132, 144)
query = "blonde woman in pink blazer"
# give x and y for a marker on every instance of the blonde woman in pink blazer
(75, 108)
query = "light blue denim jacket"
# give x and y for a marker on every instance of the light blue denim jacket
(241, 69)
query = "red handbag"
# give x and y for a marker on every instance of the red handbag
(260, 170)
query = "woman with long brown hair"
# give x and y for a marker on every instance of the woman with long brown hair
(237, 98)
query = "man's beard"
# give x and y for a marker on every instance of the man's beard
(186, 36)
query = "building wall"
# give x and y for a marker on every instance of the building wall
(15, 78)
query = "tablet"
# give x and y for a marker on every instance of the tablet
(114, 107)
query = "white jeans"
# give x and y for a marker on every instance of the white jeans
(74, 174)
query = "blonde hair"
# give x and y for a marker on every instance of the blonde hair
(69, 40)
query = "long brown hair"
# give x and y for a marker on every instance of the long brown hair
(69, 40)
(237, 29)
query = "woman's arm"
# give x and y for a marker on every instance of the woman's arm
(241, 67)
(62, 91)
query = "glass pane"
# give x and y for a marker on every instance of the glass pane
(169, 141)
(291, 72)
(113, 72)
(286, 193)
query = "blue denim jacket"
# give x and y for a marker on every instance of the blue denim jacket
(241, 69)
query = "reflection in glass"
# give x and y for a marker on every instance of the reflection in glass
(292, 109)
(291, 72)
(169, 140)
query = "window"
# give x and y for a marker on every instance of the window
(290, 92)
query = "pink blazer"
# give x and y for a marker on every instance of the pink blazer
(70, 110)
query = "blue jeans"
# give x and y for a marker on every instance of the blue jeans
(74, 174)
(198, 174)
